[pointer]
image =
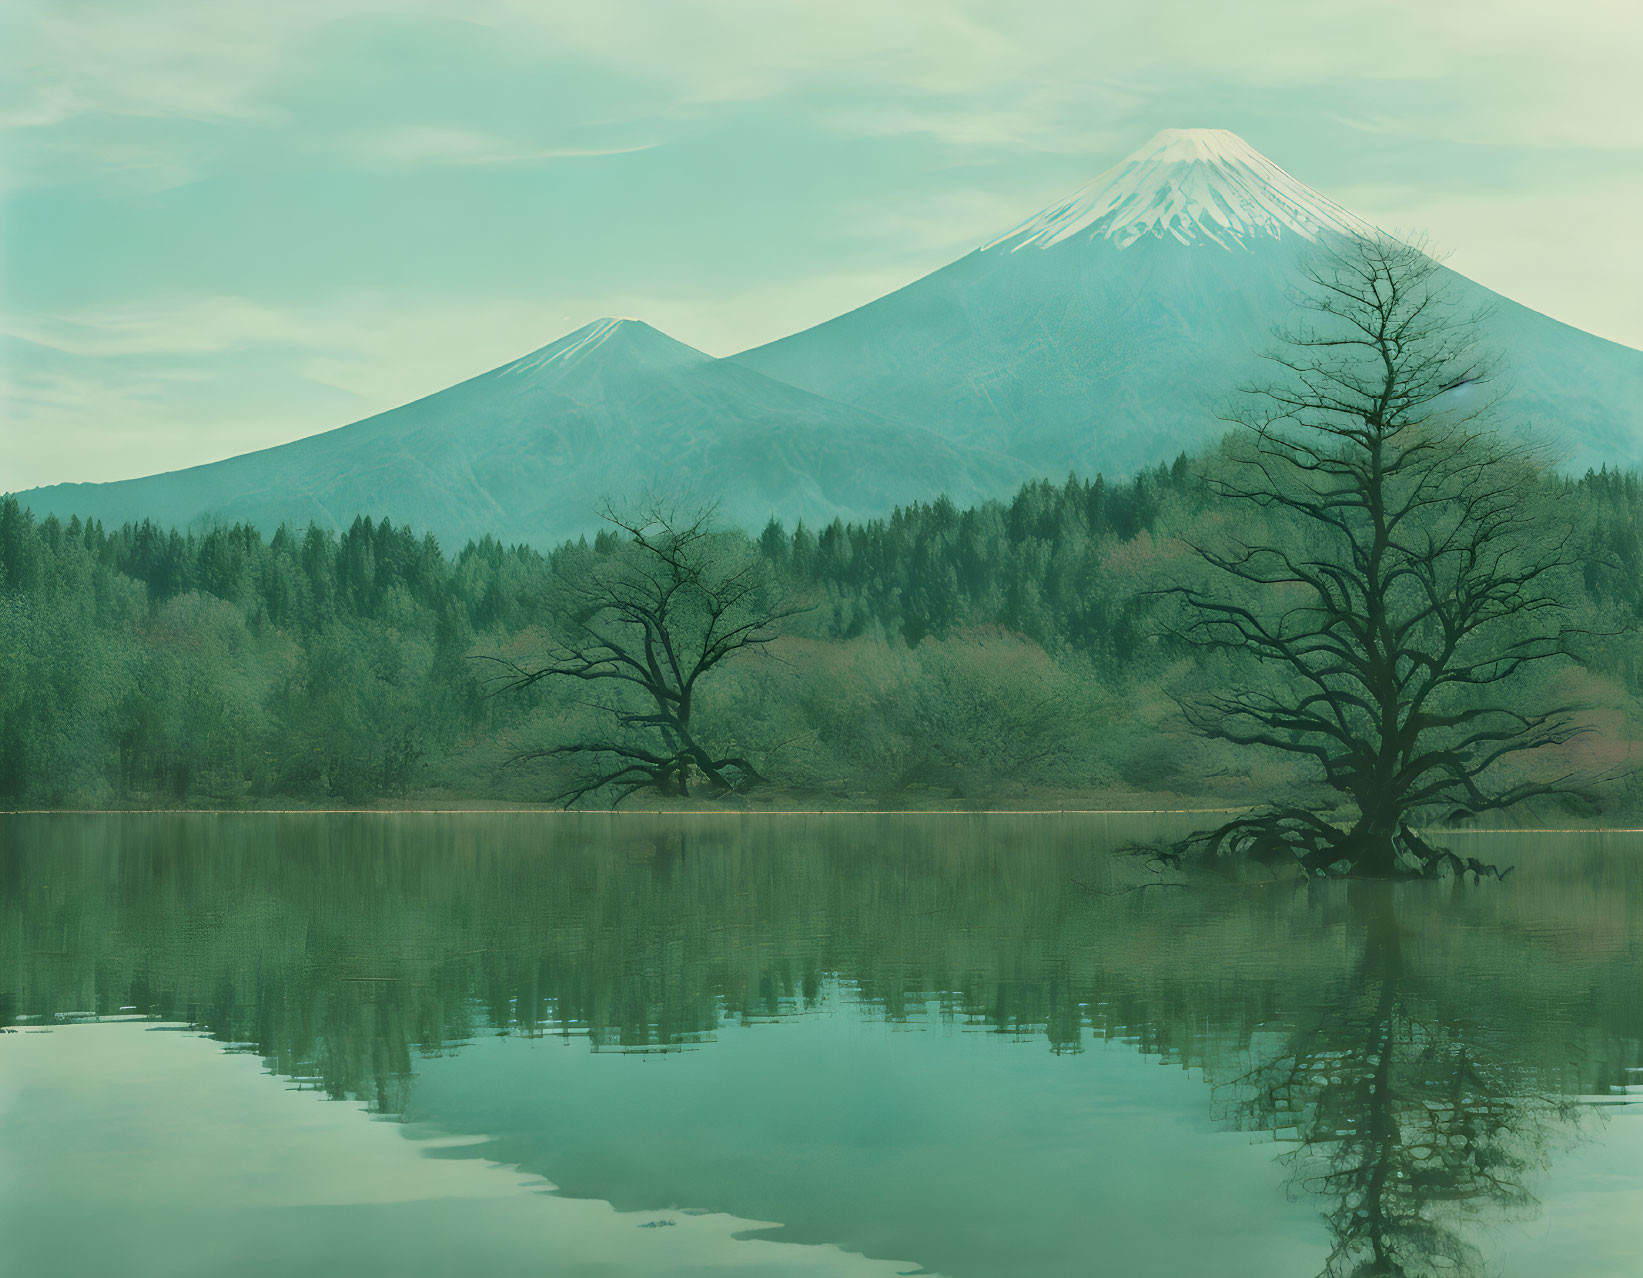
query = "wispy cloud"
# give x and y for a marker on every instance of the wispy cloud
(962, 115)
(410, 148)
(174, 327)
(1504, 71)
(154, 58)
(1062, 76)
(115, 391)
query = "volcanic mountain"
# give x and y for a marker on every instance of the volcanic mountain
(1109, 331)
(1106, 333)
(527, 452)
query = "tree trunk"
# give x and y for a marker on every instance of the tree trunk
(1372, 846)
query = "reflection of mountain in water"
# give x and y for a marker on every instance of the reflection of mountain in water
(1410, 1045)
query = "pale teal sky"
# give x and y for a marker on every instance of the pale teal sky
(226, 227)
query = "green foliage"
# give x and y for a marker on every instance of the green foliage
(1057, 564)
(143, 667)
(972, 656)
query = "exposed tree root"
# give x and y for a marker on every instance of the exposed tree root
(1287, 836)
(623, 771)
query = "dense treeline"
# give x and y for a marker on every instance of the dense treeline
(1045, 565)
(1058, 563)
(969, 654)
(142, 664)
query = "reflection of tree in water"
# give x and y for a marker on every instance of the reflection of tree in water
(1405, 1121)
(1413, 1082)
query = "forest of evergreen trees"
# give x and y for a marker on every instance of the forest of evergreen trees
(980, 656)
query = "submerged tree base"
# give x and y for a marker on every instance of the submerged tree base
(1294, 836)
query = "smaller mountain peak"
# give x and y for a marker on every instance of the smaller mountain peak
(1193, 186)
(610, 340)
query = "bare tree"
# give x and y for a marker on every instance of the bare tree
(644, 624)
(1406, 582)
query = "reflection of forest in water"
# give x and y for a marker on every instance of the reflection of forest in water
(1414, 1046)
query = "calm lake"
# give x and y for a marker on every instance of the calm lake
(843, 1045)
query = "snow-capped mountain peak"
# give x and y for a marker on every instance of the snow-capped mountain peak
(1191, 185)
(627, 342)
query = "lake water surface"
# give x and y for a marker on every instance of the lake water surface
(844, 1045)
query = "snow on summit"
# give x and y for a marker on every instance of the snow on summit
(627, 341)
(1191, 185)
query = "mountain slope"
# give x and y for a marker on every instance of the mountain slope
(1108, 331)
(527, 451)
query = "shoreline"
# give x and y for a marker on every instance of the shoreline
(770, 812)
(562, 812)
